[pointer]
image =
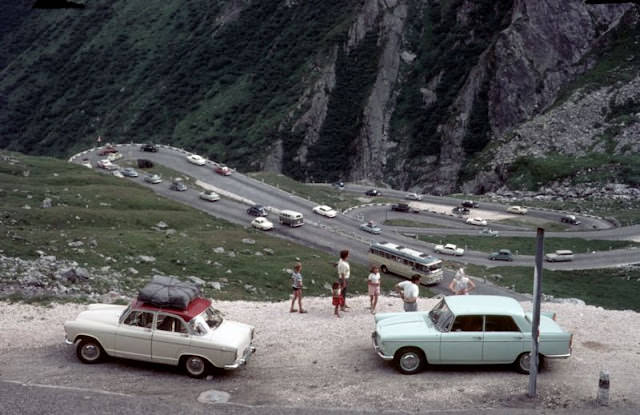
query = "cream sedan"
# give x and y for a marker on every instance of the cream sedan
(520, 210)
(262, 223)
(196, 159)
(477, 221)
(196, 338)
(325, 210)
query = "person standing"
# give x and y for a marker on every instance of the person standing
(337, 300)
(373, 283)
(344, 272)
(296, 286)
(461, 284)
(409, 292)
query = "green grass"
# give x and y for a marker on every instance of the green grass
(614, 288)
(119, 215)
(526, 246)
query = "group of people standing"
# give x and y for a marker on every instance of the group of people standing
(409, 291)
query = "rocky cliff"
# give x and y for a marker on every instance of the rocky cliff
(423, 94)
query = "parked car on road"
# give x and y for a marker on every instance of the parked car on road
(520, 210)
(114, 156)
(449, 249)
(413, 196)
(570, 219)
(562, 255)
(152, 178)
(152, 148)
(257, 210)
(209, 196)
(372, 192)
(401, 207)
(196, 159)
(178, 185)
(460, 210)
(501, 255)
(108, 149)
(469, 204)
(129, 172)
(223, 170)
(107, 165)
(468, 330)
(371, 228)
(325, 210)
(262, 223)
(339, 185)
(197, 338)
(477, 221)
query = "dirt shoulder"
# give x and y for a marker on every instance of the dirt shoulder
(317, 360)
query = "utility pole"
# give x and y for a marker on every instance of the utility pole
(535, 324)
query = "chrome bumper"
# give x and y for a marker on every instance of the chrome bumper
(378, 349)
(243, 360)
(67, 341)
(557, 356)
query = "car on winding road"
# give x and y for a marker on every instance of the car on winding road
(460, 210)
(371, 228)
(196, 338)
(152, 178)
(561, 255)
(468, 330)
(152, 148)
(178, 185)
(209, 196)
(489, 232)
(257, 210)
(501, 255)
(129, 172)
(196, 159)
(469, 204)
(222, 170)
(520, 210)
(108, 149)
(477, 221)
(107, 165)
(570, 219)
(413, 196)
(262, 223)
(325, 210)
(449, 249)
(372, 192)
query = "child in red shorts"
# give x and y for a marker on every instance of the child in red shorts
(337, 298)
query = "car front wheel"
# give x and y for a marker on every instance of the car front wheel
(195, 366)
(409, 360)
(523, 362)
(89, 351)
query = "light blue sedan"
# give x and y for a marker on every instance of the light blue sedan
(470, 330)
(371, 228)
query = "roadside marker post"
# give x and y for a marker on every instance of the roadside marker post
(535, 324)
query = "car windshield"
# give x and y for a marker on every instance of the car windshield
(441, 316)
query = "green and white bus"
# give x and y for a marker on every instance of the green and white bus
(405, 262)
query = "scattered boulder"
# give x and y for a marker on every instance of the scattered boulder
(145, 259)
(197, 281)
(269, 251)
(161, 225)
(75, 244)
(215, 285)
(132, 271)
(46, 203)
(219, 250)
(248, 241)
(250, 288)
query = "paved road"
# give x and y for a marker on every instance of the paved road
(331, 235)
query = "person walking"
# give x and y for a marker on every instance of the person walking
(373, 284)
(461, 284)
(296, 286)
(344, 272)
(409, 292)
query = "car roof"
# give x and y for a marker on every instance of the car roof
(564, 252)
(483, 304)
(505, 251)
(196, 306)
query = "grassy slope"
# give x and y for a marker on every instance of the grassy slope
(119, 215)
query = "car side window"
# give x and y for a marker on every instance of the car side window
(139, 319)
(500, 323)
(467, 323)
(170, 323)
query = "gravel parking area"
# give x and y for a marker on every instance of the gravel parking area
(318, 360)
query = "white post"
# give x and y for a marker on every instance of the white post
(535, 324)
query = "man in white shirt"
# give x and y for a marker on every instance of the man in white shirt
(344, 271)
(409, 292)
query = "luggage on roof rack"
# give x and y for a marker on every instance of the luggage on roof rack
(168, 292)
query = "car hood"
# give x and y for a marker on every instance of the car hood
(102, 313)
(230, 335)
(404, 326)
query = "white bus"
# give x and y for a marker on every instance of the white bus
(405, 262)
(291, 218)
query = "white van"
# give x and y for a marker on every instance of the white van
(291, 218)
(559, 256)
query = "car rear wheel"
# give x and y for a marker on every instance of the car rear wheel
(384, 269)
(195, 366)
(523, 362)
(409, 360)
(89, 351)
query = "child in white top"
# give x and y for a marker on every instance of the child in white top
(373, 283)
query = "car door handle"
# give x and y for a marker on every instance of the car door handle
(476, 337)
(517, 337)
